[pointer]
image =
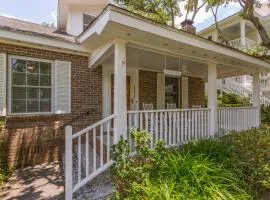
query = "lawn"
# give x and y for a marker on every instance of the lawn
(235, 166)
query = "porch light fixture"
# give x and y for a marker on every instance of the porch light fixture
(172, 72)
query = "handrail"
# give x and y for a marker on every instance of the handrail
(168, 110)
(93, 126)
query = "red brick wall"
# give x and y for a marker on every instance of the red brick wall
(30, 140)
(147, 88)
(196, 91)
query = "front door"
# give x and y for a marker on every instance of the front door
(128, 88)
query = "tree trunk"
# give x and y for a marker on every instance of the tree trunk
(248, 14)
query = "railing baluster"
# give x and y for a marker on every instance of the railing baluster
(166, 128)
(108, 140)
(152, 129)
(141, 121)
(170, 128)
(101, 145)
(182, 126)
(79, 159)
(87, 154)
(156, 129)
(178, 127)
(94, 149)
(174, 129)
(161, 126)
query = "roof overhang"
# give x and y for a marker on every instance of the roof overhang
(116, 22)
(59, 45)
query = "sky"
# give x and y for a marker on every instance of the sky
(39, 11)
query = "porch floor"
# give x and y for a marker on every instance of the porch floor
(39, 182)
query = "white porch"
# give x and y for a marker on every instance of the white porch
(123, 45)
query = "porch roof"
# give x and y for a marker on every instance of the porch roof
(114, 23)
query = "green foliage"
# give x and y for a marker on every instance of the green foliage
(265, 113)
(252, 150)
(163, 11)
(256, 50)
(235, 166)
(233, 100)
(128, 170)
(5, 171)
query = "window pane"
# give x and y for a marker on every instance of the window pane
(45, 105)
(19, 93)
(18, 65)
(45, 68)
(32, 106)
(45, 93)
(33, 79)
(18, 106)
(32, 67)
(45, 80)
(18, 78)
(32, 93)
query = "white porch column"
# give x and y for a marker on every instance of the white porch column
(120, 98)
(256, 97)
(243, 32)
(212, 96)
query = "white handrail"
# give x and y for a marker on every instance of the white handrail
(92, 155)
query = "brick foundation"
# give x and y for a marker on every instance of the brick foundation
(30, 140)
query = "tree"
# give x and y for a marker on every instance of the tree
(163, 11)
(248, 14)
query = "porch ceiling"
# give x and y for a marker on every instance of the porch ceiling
(143, 34)
(148, 60)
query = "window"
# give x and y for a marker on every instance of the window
(30, 86)
(87, 19)
(172, 90)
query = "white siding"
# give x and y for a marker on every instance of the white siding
(161, 91)
(62, 87)
(3, 80)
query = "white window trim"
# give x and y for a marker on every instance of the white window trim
(10, 57)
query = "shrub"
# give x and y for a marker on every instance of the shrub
(252, 150)
(196, 171)
(265, 113)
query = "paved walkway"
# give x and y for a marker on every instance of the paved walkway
(33, 183)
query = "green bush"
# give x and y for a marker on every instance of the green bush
(265, 113)
(207, 169)
(252, 151)
(233, 100)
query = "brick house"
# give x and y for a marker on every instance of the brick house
(105, 70)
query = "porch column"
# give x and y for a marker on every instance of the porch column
(212, 96)
(243, 32)
(256, 97)
(120, 98)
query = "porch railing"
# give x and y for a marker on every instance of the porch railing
(87, 154)
(237, 43)
(174, 127)
(237, 119)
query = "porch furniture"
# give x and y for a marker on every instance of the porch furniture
(147, 106)
(171, 106)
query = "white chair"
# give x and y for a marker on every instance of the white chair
(196, 106)
(171, 106)
(148, 106)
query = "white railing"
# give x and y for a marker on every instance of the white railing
(174, 127)
(237, 119)
(237, 43)
(88, 151)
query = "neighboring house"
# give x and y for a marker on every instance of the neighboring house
(106, 69)
(242, 35)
